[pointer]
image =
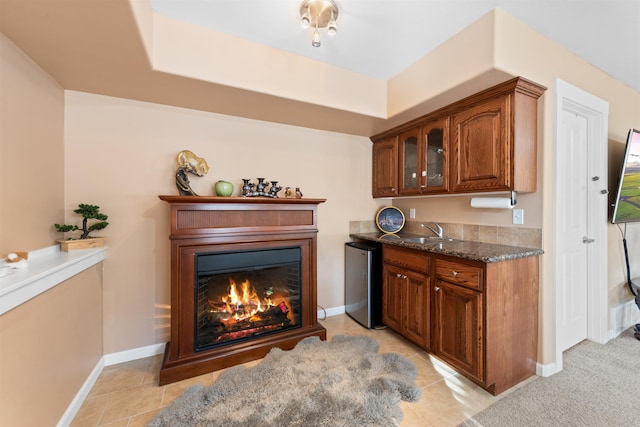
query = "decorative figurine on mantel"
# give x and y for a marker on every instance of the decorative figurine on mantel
(189, 162)
(250, 189)
(290, 194)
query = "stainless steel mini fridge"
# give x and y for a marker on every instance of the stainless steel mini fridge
(363, 283)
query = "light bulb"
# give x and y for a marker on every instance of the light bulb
(315, 41)
(332, 29)
(305, 20)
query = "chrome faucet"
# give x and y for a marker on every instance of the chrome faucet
(435, 228)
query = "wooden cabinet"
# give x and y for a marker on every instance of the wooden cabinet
(392, 297)
(482, 147)
(486, 142)
(458, 323)
(458, 327)
(423, 158)
(405, 293)
(481, 318)
(385, 168)
(485, 319)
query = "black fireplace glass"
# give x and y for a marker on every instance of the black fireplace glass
(241, 295)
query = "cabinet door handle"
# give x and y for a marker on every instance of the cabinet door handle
(454, 273)
(436, 288)
(398, 275)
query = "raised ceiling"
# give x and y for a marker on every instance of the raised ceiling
(122, 48)
(380, 38)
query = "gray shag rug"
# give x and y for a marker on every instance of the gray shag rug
(599, 386)
(342, 382)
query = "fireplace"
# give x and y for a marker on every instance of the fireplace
(243, 280)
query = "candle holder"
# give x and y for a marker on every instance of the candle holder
(262, 188)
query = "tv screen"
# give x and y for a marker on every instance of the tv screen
(627, 203)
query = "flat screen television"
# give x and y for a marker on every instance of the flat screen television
(627, 203)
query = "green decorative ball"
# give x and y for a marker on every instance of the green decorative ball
(224, 188)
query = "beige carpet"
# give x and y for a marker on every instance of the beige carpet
(599, 386)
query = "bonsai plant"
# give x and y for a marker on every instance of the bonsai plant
(88, 212)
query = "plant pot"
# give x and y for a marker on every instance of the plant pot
(94, 242)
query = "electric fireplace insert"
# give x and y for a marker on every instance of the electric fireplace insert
(240, 295)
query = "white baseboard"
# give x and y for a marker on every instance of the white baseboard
(133, 354)
(82, 394)
(622, 317)
(328, 312)
(546, 370)
(106, 360)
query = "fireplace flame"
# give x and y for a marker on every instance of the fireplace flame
(243, 303)
(235, 301)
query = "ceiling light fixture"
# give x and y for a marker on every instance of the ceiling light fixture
(319, 14)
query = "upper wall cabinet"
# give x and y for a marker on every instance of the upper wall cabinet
(486, 142)
(385, 167)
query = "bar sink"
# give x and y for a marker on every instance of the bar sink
(423, 239)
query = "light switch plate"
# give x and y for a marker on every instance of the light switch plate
(518, 216)
(412, 213)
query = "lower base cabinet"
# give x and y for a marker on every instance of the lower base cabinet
(458, 328)
(480, 318)
(406, 294)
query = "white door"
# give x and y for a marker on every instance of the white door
(580, 212)
(571, 287)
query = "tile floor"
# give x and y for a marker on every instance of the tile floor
(128, 395)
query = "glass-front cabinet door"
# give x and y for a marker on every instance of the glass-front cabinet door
(423, 157)
(435, 136)
(410, 162)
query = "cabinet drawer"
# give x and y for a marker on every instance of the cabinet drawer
(407, 258)
(462, 274)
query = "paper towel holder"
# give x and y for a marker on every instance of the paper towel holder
(495, 202)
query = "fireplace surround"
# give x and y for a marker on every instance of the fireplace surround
(243, 280)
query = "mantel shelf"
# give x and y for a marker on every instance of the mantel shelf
(254, 200)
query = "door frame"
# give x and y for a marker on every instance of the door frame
(596, 111)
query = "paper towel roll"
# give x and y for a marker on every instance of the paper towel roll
(491, 202)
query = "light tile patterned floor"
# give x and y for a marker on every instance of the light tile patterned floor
(128, 395)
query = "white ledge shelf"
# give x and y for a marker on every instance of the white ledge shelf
(46, 268)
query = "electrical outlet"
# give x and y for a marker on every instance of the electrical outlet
(412, 213)
(518, 216)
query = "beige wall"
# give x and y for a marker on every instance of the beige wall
(48, 347)
(31, 153)
(123, 156)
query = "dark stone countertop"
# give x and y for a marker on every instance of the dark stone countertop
(476, 251)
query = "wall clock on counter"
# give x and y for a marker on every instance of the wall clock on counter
(390, 219)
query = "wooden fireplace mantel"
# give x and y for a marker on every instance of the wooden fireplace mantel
(249, 200)
(210, 224)
(196, 215)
